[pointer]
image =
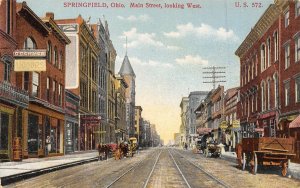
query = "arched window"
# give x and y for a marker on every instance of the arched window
(263, 99)
(268, 94)
(263, 57)
(49, 52)
(29, 43)
(276, 91)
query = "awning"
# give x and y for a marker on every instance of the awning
(295, 123)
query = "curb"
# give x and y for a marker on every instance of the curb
(26, 175)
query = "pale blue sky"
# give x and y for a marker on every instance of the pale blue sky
(169, 47)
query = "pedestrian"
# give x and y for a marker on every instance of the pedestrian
(48, 145)
(185, 146)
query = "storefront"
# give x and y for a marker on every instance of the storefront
(72, 123)
(88, 130)
(43, 132)
(6, 115)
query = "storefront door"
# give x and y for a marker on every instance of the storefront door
(4, 135)
(33, 134)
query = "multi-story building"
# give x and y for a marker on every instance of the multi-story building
(138, 121)
(183, 126)
(43, 121)
(145, 139)
(82, 76)
(121, 130)
(195, 99)
(13, 99)
(177, 139)
(102, 37)
(203, 115)
(233, 129)
(217, 113)
(269, 84)
(128, 74)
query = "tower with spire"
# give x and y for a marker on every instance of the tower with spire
(128, 74)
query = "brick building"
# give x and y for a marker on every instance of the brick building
(43, 121)
(13, 100)
(82, 77)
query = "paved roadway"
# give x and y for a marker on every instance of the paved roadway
(159, 168)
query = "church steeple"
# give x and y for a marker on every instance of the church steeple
(126, 68)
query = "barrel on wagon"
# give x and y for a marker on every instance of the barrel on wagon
(265, 151)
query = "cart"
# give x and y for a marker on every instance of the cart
(265, 151)
(213, 149)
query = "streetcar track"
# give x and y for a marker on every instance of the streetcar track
(204, 171)
(187, 183)
(129, 170)
(149, 176)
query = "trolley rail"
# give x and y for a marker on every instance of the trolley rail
(132, 168)
(215, 179)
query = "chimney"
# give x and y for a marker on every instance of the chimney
(50, 14)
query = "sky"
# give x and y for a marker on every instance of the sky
(168, 48)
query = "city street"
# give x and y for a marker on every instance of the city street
(161, 167)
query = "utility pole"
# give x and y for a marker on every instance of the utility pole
(215, 73)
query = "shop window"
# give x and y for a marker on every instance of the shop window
(35, 84)
(4, 125)
(287, 56)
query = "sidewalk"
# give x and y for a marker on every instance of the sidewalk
(293, 170)
(14, 171)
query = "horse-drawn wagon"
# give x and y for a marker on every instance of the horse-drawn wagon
(265, 151)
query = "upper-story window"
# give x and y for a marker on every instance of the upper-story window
(263, 57)
(55, 56)
(49, 52)
(35, 84)
(297, 89)
(60, 61)
(263, 98)
(269, 52)
(297, 11)
(7, 61)
(297, 48)
(8, 16)
(287, 56)
(287, 93)
(29, 43)
(276, 91)
(275, 46)
(287, 19)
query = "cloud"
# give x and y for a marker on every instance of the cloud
(191, 60)
(140, 39)
(133, 18)
(203, 30)
(148, 63)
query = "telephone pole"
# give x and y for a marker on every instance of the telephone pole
(215, 74)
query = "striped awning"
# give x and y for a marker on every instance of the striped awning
(295, 123)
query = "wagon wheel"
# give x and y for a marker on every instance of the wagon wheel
(284, 168)
(253, 164)
(244, 161)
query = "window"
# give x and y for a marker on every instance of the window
(6, 75)
(268, 94)
(252, 72)
(287, 19)
(276, 89)
(276, 46)
(49, 52)
(297, 89)
(48, 89)
(35, 84)
(287, 56)
(60, 91)
(54, 91)
(269, 52)
(26, 81)
(8, 16)
(263, 57)
(55, 56)
(29, 43)
(60, 61)
(263, 99)
(287, 93)
(297, 49)
(297, 11)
